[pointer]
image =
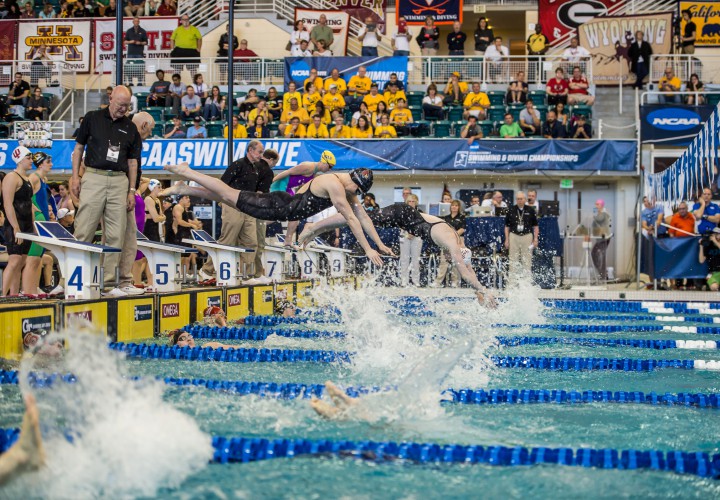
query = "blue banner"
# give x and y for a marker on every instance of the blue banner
(672, 125)
(672, 258)
(379, 69)
(381, 154)
(442, 11)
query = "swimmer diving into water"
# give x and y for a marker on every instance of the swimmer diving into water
(339, 190)
(427, 227)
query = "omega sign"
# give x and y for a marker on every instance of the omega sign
(171, 310)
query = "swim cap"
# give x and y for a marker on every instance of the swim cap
(212, 311)
(328, 158)
(19, 153)
(153, 184)
(39, 157)
(363, 177)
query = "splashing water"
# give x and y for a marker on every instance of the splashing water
(105, 434)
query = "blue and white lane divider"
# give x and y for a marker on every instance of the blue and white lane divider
(243, 450)
(292, 391)
(245, 333)
(625, 306)
(590, 342)
(635, 317)
(583, 328)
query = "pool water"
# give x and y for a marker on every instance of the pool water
(147, 439)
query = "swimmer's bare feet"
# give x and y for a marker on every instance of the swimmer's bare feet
(180, 169)
(338, 396)
(177, 188)
(324, 409)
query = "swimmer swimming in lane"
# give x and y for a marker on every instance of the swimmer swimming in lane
(338, 190)
(341, 403)
(181, 338)
(28, 453)
(427, 227)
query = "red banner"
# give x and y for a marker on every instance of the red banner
(7, 40)
(559, 17)
(376, 9)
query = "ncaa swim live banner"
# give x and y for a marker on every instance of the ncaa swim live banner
(609, 38)
(338, 20)
(297, 69)
(159, 30)
(388, 154)
(68, 41)
(706, 16)
(443, 11)
(559, 17)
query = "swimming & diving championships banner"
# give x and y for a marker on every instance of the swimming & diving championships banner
(376, 9)
(338, 20)
(383, 154)
(159, 30)
(379, 69)
(443, 11)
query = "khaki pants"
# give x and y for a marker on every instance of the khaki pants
(105, 196)
(520, 256)
(238, 229)
(129, 251)
(261, 231)
(689, 49)
(446, 265)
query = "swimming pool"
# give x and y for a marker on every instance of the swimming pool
(408, 349)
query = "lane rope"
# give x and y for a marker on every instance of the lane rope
(610, 342)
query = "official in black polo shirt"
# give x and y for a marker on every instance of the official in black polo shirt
(112, 147)
(521, 236)
(265, 165)
(239, 229)
(136, 39)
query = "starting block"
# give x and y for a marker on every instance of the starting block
(225, 257)
(162, 259)
(336, 257)
(273, 260)
(308, 259)
(79, 261)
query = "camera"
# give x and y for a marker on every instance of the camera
(371, 27)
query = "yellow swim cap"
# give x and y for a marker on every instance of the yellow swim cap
(328, 158)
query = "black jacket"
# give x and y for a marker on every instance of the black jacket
(645, 50)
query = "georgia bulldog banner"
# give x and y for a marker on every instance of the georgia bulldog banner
(559, 17)
(443, 11)
(338, 20)
(67, 41)
(159, 30)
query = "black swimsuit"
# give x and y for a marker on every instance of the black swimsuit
(152, 228)
(404, 217)
(22, 203)
(281, 206)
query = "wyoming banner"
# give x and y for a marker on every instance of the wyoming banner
(560, 17)
(706, 16)
(609, 39)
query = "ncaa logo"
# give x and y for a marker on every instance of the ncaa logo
(299, 70)
(574, 13)
(674, 119)
(461, 158)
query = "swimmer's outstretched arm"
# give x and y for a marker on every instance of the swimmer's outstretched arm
(215, 189)
(369, 227)
(305, 168)
(28, 453)
(341, 202)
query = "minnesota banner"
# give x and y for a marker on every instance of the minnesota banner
(706, 16)
(443, 11)
(66, 41)
(609, 39)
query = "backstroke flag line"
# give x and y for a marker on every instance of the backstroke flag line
(696, 168)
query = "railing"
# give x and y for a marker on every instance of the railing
(654, 97)
(707, 67)
(47, 74)
(37, 133)
(65, 106)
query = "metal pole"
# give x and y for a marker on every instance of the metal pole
(118, 43)
(230, 72)
(638, 228)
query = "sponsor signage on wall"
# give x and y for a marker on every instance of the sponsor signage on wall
(668, 124)
(159, 30)
(67, 41)
(379, 69)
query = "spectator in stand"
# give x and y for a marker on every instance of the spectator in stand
(510, 129)
(494, 201)
(557, 88)
(428, 37)
(335, 79)
(652, 215)
(639, 53)
(110, 10)
(167, 8)
(537, 44)
(683, 220)
(694, 85)
(176, 130)
(385, 130)
(159, 90)
(136, 39)
(133, 105)
(37, 106)
(370, 37)
(313, 78)
(29, 12)
(497, 54)
(322, 50)
(581, 129)
(323, 32)
(18, 92)
(340, 130)
(552, 128)
(274, 103)
(396, 81)
(294, 111)
(325, 115)
(455, 90)
(239, 131)
(392, 94)
(687, 41)
(432, 104)
(363, 111)
(669, 84)
(214, 108)
(483, 36)
(134, 8)
(292, 93)
(298, 35)
(248, 103)
(706, 212)
(201, 88)
(358, 88)
(578, 89)
(176, 90)
(14, 12)
(311, 97)
(476, 103)
(105, 98)
(575, 53)
(560, 113)
(259, 130)
(373, 98)
(401, 39)
(456, 40)
(224, 45)
(301, 50)
(197, 131)
(363, 130)
(317, 129)
(369, 203)
(333, 100)
(517, 90)
(260, 110)
(185, 43)
(295, 129)
(48, 12)
(3, 13)
(382, 109)
(400, 117)
(190, 104)
(471, 131)
(710, 252)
